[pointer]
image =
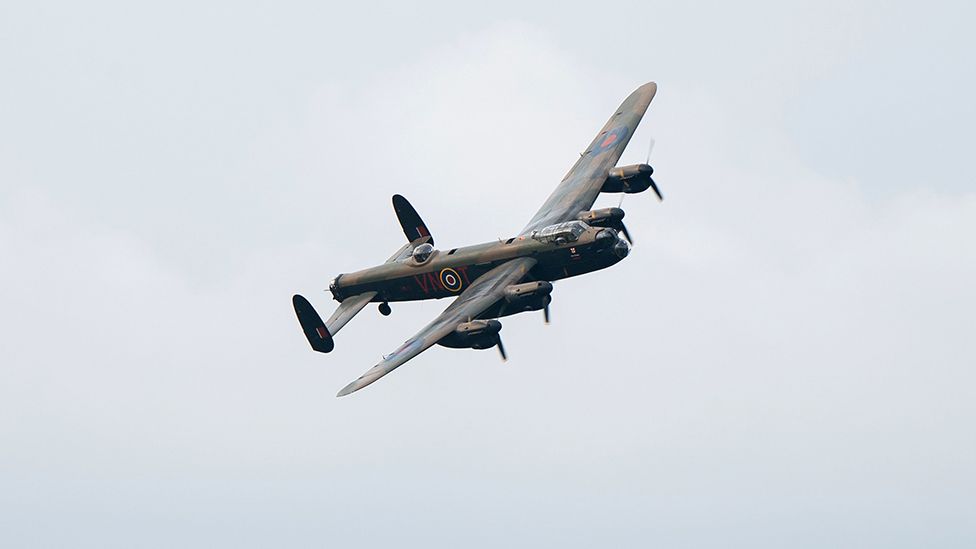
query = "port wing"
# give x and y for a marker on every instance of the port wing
(480, 296)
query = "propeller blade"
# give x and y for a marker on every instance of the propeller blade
(501, 348)
(623, 229)
(653, 184)
(545, 313)
(656, 190)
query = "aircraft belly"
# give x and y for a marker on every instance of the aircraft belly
(567, 263)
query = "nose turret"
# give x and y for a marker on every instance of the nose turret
(611, 238)
(621, 248)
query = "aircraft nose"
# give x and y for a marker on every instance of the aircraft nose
(621, 248)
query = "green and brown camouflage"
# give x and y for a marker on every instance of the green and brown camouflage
(579, 249)
(564, 238)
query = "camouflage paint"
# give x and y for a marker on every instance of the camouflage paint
(487, 278)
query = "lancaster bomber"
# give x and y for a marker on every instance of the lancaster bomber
(565, 238)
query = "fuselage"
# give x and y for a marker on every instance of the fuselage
(574, 251)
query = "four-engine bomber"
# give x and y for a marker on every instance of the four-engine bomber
(565, 238)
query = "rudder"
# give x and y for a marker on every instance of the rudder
(413, 226)
(315, 331)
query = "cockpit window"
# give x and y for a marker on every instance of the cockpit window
(422, 253)
(561, 233)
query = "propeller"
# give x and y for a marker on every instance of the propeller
(501, 348)
(626, 233)
(545, 313)
(617, 222)
(657, 191)
(648, 162)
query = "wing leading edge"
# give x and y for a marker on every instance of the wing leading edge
(579, 189)
(482, 294)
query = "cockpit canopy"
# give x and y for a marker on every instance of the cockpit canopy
(422, 253)
(561, 233)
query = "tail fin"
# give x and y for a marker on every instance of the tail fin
(413, 227)
(315, 331)
(318, 333)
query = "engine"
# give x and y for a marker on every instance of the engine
(612, 218)
(529, 296)
(476, 334)
(605, 217)
(635, 178)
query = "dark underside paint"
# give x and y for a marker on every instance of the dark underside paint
(555, 263)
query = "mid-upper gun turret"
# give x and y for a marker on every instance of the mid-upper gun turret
(422, 252)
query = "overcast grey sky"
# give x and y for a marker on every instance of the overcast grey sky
(785, 359)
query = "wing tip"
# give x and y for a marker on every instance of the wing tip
(649, 88)
(366, 379)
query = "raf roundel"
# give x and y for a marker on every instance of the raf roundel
(450, 280)
(609, 139)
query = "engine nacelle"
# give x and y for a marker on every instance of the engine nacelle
(476, 334)
(604, 217)
(530, 296)
(519, 292)
(635, 178)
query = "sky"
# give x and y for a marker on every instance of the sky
(785, 358)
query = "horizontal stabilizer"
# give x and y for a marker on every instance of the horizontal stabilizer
(316, 332)
(346, 310)
(413, 227)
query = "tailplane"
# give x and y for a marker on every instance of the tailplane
(318, 333)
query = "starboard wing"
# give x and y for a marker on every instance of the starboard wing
(480, 295)
(579, 189)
